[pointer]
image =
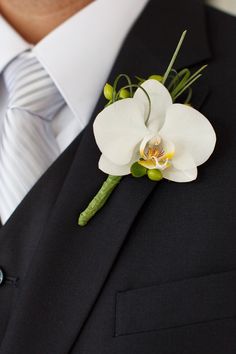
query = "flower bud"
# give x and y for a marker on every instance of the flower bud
(155, 175)
(124, 93)
(108, 92)
(137, 170)
(156, 77)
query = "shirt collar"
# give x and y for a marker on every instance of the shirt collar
(80, 53)
(228, 6)
(11, 43)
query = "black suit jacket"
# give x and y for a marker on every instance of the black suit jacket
(155, 270)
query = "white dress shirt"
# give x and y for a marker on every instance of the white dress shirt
(78, 55)
(228, 6)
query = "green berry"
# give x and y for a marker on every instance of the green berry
(108, 92)
(137, 170)
(155, 175)
(156, 77)
(124, 93)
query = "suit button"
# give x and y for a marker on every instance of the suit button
(1, 277)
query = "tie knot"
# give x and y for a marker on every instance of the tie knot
(31, 88)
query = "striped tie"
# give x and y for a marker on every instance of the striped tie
(28, 146)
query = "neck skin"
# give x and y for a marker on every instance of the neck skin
(34, 19)
(228, 6)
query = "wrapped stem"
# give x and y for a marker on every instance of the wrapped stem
(99, 200)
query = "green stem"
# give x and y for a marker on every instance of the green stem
(141, 80)
(176, 79)
(168, 70)
(179, 81)
(116, 84)
(186, 87)
(199, 71)
(186, 81)
(99, 200)
(189, 96)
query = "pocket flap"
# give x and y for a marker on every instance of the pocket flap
(178, 303)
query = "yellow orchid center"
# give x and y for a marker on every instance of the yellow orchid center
(153, 154)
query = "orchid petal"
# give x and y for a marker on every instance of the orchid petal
(169, 149)
(160, 101)
(119, 128)
(182, 159)
(188, 128)
(110, 168)
(172, 174)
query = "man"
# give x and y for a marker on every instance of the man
(155, 270)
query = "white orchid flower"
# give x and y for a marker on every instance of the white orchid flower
(173, 138)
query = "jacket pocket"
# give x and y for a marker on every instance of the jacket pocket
(175, 304)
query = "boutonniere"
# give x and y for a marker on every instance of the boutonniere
(145, 132)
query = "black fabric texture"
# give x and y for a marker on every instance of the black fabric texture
(154, 271)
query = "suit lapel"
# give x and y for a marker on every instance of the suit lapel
(71, 264)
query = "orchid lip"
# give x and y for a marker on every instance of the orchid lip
(144, 144)
(153, 155)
